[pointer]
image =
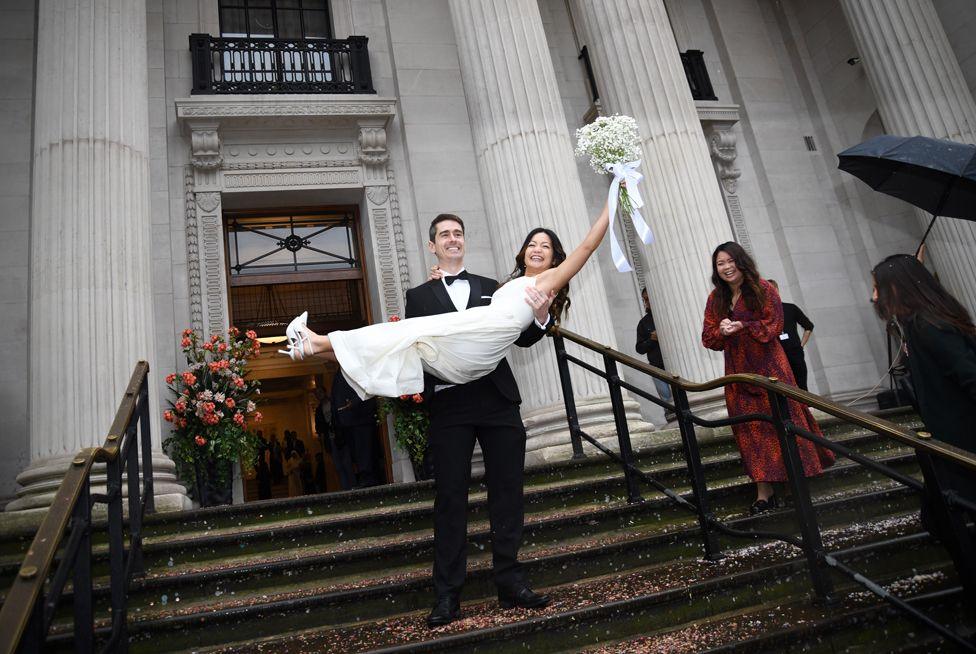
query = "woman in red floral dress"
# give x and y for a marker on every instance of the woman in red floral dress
(744, 318)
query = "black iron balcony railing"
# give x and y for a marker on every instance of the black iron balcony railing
(697, 74)
(250, 65)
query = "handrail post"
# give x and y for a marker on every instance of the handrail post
(696, 472)
(116, 553)
(949, 524)
(82, 603)
(145, 434)
(813, 547)
(623, 431)
(569, 399)
(135, 564)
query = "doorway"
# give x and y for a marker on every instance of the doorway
(279, 263)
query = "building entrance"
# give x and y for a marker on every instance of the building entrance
(280, 263)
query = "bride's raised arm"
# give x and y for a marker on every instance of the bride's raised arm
(555, 278)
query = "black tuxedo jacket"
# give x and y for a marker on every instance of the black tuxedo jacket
(431, 299)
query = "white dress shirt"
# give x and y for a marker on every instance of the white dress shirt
(459, 291)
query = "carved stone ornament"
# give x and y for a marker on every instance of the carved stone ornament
(377, 194)
(372, 146)
(722, 148)
(208, 202)
(205, 149)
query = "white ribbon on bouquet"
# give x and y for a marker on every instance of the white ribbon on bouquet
(626, 172)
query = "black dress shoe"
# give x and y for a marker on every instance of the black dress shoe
(445, 611)
(522, 597)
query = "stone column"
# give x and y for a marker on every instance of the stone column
(529, 177)
(921, 92)
(91, 294)
(639, 73)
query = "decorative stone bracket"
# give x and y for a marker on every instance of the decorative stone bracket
(205, 145)
(718, 122)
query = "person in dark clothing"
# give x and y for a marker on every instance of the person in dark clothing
(792, 343)
(320, 480)
(263, 469)
(354, 423)
(939, 339)
(647, 343)
(308, 478)
(324, 433)
(276, 460)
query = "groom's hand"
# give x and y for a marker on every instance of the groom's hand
(540, 303)
(435, 273)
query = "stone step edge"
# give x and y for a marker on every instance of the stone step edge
(599, 611)
(672, 538)
(782, 636)
(838, 471)
(479, 499)
(704, 441)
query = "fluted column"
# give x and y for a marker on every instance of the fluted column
(639, 73)
(921, 92)
(529, 177)
(90, 295)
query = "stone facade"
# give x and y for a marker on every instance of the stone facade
(758, 165)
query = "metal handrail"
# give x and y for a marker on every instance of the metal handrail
(28, 610)
(918, 440)
(948, 509)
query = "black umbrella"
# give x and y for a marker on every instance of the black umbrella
(935, 175)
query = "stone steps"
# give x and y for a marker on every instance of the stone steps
(615, 539)
(351, 571)
(648, 599)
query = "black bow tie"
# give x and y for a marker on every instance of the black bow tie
(449, 279)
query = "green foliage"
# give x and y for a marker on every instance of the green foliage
(410, 422)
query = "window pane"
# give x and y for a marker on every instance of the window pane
(232, 23)
(288, 4)
(255, 3)
(321, 5)
(289, 24)
(260, 245)
(316, 25)
(261, 23)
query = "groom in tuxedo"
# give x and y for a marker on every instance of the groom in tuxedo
(486, 410)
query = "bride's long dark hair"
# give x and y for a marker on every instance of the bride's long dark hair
(561, 302)
(907, 291)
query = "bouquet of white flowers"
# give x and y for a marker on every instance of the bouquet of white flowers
(613, 146)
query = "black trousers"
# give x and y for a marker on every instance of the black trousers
(799, 366)
(360, 439)
(496, 425)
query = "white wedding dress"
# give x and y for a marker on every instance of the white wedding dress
(389, 359)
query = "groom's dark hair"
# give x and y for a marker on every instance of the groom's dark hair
(441, 217)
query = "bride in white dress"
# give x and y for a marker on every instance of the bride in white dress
(389, 359)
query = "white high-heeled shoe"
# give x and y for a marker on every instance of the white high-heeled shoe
(298, 338)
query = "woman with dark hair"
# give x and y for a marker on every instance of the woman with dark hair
(743, 319)
(940, 340)
(542, 248)
(389, 359)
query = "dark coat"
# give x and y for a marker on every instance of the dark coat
(943, 365)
